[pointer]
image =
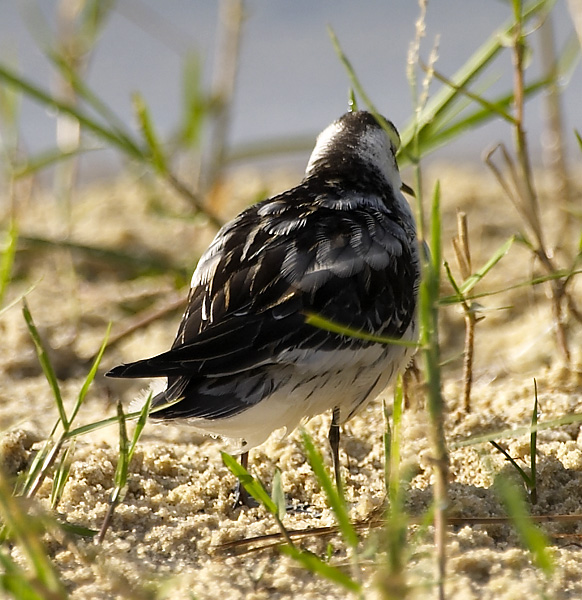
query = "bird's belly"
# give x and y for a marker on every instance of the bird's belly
(302, 393)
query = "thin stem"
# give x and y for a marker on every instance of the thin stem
(429, 294)
(231, 19)
(554, 148)
(523, 156)
(470, 320)
(196, 202)
(526, 187)
(463, 256)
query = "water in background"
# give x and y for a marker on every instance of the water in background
(290, 82)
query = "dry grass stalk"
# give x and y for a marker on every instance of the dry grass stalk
(223, 85)
(463, 256)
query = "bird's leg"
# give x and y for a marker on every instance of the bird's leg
(241, 496)
(411, 379)
(334, 439)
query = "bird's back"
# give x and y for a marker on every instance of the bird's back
(341, 245)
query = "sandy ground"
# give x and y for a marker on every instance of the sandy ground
(178, 509)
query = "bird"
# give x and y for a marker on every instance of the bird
(342, 245)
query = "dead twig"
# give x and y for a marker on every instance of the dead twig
(527, 208)
(272, 540)
(463, 256)
(169, 305)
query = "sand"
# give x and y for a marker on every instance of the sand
(166, 537)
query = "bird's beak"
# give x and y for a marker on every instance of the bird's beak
(408, 190)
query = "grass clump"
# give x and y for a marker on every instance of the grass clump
(45, 458)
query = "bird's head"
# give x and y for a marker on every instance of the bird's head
(357, 140)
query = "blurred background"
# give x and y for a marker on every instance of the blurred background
(287, 82)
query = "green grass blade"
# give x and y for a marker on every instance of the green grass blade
(444, 129)
(395, 531)
(578, 137)
(533, 447)
(7, 261)
(14, 581)
(387, 441)
(359, 88)
(45, 364)
(564, 67)
(91, 375)
(195, 104)
(36, 93)
(489, 107)
(126, 451)
(141, 423)
(397, 411)
(93, 17)
(356, 85)
(123, 460)
(31, 165)
(531, 536)
(525, 477)
(528, 283)
(458, 294)
(10, 114)
(335, 500)
(450, 124)
(251, 485)
(352, 101)
(471, 281)
(429, 333)
(31, 475)
(48, 456)
(141, 264)
(516, 432)
(120, 477)
(79, 530)
(319, 567)
(61, 475)
(127, 448)
(323, 323)
(24, 530)
(437, 108)
(435, 235)
(86, 94)
(18, 299)
(278, 495)
(144, 119)
(90, 427)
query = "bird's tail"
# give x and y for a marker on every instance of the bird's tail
(135, 370)
(164, 398)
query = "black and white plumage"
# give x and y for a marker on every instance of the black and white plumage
(341, 244)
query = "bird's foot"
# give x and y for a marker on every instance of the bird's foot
(303, 508)
(243, 498)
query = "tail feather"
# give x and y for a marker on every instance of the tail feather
(164, 395)
(141, 368)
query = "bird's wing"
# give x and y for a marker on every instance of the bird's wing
(279, 260)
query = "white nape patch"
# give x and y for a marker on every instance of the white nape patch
(324, 140)
(156, 387)
(373, 147)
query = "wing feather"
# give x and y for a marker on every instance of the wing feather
(351, 264)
